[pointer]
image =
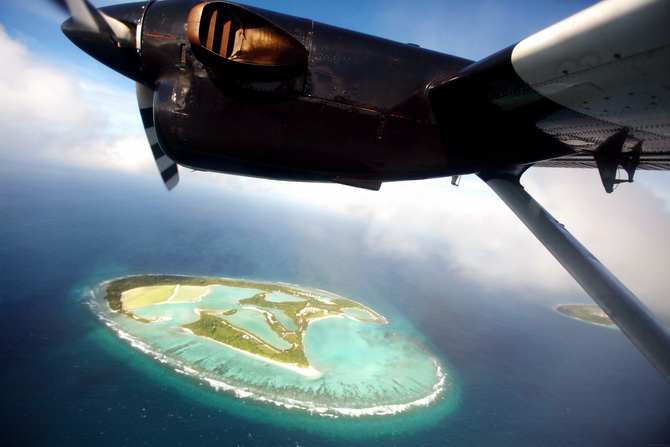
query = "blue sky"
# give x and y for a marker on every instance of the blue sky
(472, 29)
(62, 106)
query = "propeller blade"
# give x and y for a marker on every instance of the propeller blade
(89, 17)
(61, 4)
(84, 13)
(166, 167)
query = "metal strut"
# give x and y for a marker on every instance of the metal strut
(633, 318)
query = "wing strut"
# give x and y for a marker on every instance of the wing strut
(623, 307)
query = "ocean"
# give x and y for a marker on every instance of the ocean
(521, 373)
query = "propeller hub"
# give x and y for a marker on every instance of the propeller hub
(109, 36)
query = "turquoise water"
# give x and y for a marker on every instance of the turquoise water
(369, 364)
(281, 317)
(255, 322)
(175, 314)
(363, 368)
(222, 298)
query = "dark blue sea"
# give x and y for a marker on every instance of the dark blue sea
(525, 375)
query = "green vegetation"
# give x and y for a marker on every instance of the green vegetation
(224, 332)
(309, 308)
(290, 308)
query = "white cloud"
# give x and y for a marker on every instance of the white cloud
(34, 93)
(626, 230)
(479, 238)
(52, 114)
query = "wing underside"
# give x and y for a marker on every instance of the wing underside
(609, 66)
(591, 91)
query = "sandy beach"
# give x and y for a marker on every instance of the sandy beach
(307, 372)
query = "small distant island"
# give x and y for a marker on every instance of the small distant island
(287, 312)
(586, 312)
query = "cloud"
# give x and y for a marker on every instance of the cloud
(52, 114)
(476, 237)
(34, 93)
(626, 230)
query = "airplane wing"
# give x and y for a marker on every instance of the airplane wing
(597, 83)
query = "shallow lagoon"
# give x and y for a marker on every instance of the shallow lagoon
(281, 317)
(254, 322)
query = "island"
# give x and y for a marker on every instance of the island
(586, 312)
(270, 324)
(277, 344)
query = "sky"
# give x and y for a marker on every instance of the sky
(61, 106)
